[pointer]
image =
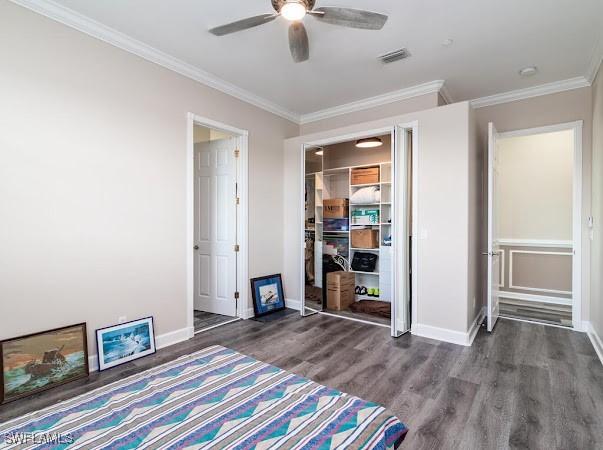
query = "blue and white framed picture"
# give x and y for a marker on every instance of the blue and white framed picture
(125, 342)
(268, 296)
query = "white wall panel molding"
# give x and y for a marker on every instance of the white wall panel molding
(503, 268)
(535, 298)
(536, 243)
(512, 253)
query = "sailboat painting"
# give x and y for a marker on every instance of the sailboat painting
(41, 361)
(125, 342)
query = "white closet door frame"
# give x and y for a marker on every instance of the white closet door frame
(580, 220)
(401, 319)
(301, 227)
(242, 136)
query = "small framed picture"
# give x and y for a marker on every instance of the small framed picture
(268, 295)
(119, 344)
(41, 361)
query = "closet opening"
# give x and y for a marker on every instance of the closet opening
(358, 229)
(217, 235)
(535, 225)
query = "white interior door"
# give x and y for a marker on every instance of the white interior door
(215, 227)
(400, 224)
(493, 246)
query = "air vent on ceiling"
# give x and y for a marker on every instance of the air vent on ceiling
(396, 55)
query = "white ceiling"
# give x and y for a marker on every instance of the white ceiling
(493, 39)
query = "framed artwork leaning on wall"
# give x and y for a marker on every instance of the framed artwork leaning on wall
(125, 342)
(40, 361)
(268, 295)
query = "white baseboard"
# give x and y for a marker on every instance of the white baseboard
(92, 363)
(289, 303)
(161, 341)
(447, 335)
(248, 314)
(293, 304)
(441, 334)
(477, 322)
(595, 339)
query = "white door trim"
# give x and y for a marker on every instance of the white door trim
(577, 214)
(414, 125)
(493, 304)
(400, 237)
(243, 222)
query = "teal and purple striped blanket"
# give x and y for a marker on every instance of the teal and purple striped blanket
(215, 398)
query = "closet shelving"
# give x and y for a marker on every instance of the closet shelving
(314, 181)
(337, 183)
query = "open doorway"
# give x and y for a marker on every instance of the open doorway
(216, 228)
(357, 247)
(534, 225)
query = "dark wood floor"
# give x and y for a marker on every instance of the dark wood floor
(205, 320)
(525, 386)
(560, 315)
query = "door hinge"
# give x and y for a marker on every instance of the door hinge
(238, 201)
(236, 295)
(237, 153)
(237, 248)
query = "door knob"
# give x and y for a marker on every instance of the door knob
(196, 247)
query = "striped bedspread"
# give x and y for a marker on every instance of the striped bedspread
(216, 398)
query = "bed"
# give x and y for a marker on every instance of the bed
(215, 398)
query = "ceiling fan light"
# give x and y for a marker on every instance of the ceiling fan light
(293, 11)
(369, 142)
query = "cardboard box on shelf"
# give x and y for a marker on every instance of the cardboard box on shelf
(365, 175)
(340, 290)
(365, 217)
(365, 238)
(336, 224)
(336, 208)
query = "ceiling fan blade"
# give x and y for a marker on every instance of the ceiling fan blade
(348, 17)
(244, 24)
(298, 42)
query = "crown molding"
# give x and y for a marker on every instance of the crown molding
(535, 91)
(113, 37)
(99, 31)
(445, 93)
(379, 100)
(595, 62)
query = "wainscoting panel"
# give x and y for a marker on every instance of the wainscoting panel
(541, 271)
(536, 281)
(536, 270)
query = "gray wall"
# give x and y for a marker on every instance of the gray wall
(597, 243)
(545, 110)
(93, 180)
(444, 212)
(476, 280)
(536, 186)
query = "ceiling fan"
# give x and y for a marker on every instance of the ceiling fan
(295, 11)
